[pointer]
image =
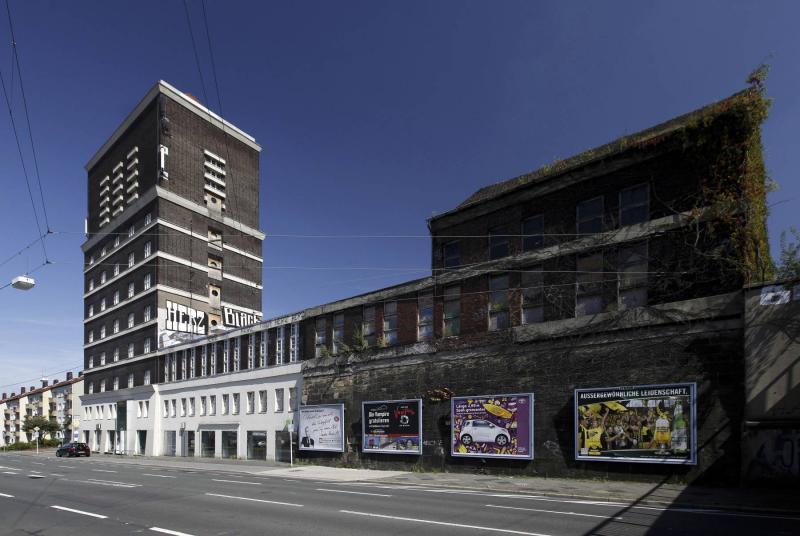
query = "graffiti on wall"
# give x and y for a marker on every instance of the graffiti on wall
(772, 454)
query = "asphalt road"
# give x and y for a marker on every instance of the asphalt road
(85, 496)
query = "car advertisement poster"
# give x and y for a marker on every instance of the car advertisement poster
(492, 426)
(392, 426)
(640, 423)
(322, 427)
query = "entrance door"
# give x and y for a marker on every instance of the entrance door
(256, 445)
(141, 442)
(188, 444)
(208, 443)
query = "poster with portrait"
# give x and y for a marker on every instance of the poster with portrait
(392, 426)
(640, 423)
(492, 426)
(321, 427)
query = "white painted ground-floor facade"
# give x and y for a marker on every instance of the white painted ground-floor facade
(243, 415)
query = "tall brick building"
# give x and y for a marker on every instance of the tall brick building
(173, 249)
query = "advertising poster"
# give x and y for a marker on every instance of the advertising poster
(640, 423)
(493, 426)
(322, 427)
(392, 426)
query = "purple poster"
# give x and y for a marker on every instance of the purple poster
(492, 426)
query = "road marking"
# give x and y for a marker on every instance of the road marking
(167, 531)
(10, 473)
(159, 476)
(552, 512)
(56, 474)
(37, 463)
(74, 511)
(103, 471)
(67, 466)
(431, 522)
(253, 500)
(112, 483)
(353, 492)
(6, 495)
(237, 482)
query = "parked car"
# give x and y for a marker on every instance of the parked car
(73, 449)
(481, 431)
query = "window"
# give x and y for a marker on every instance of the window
(116, 269)
(262, 349)
(532, 295)
(192, 359)
(498, 302)
(91, 361)
(102, 385)
(251, 349)
(131, 259)
(634, 205)
(131, 289)
(279, 345)
(278, 400)
(103, 304)
(147, 402)
(173, 407)
(294, 343)
(147, 249)
(223, 410)
(91, 390)
(130, 350)
(262, 401)
(147, 312)
(166, 408)
(202, 405)
(102, 277)
(213, 358)
(632, 265)
(116, 326)
(139, 410)
(91, 310)
(452, 311)
(146, 376)
(589, 277)
(147, 219)
(191, 407)
(130, 320)
(173, 373)
(425, 316)
(237, 353)
(235, 408)
(147, 281)
(103, 332)
(321, 336)
(498, 243)
(292, 399)
(103, 252)
(116, 382)
(532, 233)
(116, 241)
(368, 325)
(130, 380)
(183, 365)
(225, 353)
(251, 401)
(91, 284)
(102, 358)
(451, 254)
(115, 299)
(91, 260)
(131, 231)
(183, 407)
(590, 216)
(203, 360)
(390, 323)
(116, 354)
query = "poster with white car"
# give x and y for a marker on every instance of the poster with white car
(392, 426)
(492, 426)
(322, 427)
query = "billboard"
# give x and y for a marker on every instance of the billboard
(392, 426)
(321, 427)
(178, 323)
(492, 426)
(639, 423)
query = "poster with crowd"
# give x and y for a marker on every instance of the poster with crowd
(392, 426)
(492, 426)
(321, 427)
(640, 423)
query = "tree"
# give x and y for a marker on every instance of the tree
(789, 263)
(46, 426)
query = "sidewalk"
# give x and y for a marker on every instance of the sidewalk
(755, 500)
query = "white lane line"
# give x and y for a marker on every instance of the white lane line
(103, 471)
(158, 476)
(443, 523)
(167, 531)
(10, 473)
(37, 463)
(552, 512)
(353, 492)
(6, 495)
(253, 500)
(237, 482)
(56, 474)
(67, 466)
(74, 511)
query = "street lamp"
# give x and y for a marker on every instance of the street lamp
(23, 282)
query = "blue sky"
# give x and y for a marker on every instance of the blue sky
(373, 116)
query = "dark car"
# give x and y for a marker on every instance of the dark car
(73, 449)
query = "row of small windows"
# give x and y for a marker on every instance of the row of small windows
(148, 250)
(147, 283)
(115, 383)
(147, 347)
(148, 218)
(147, 315)
(230, 403)
(634, 207)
